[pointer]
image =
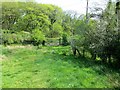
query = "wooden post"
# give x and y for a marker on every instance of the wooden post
(87, 19)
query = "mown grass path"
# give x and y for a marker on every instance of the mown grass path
(52, 67)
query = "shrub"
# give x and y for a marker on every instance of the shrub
(52, 41)
(37, 37)
(25, 37)
(64, 40)
(9, 37)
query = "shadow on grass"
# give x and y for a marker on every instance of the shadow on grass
(83, 62)
(97, 66)
(46, 55)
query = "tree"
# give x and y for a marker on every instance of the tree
(57, 30)
(103, 40)
(55, 16)
(10, 14)
(79, 44)
(37, 36)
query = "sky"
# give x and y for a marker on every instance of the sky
(75, 5)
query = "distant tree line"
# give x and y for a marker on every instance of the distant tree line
(30, 22)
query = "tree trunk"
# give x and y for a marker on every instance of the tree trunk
(74, 50)
(83, 52)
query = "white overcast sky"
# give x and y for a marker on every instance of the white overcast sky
(76, 5)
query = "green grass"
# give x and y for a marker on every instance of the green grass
(53, 67)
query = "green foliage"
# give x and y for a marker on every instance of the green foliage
(11, 38)
(64, 40)
(37, 36)
(103, 40)
(30, 22)
(57, 30)
(7, 39)
(52, 41)
(25, 35)
(20, 16)
(99, 37)
(10, 14)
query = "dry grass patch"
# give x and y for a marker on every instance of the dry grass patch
(3, 57)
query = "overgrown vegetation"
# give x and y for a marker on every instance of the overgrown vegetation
(50, 67)
(96, 40)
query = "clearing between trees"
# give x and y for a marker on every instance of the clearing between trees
(53, 67)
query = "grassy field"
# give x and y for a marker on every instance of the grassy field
(51, 67)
